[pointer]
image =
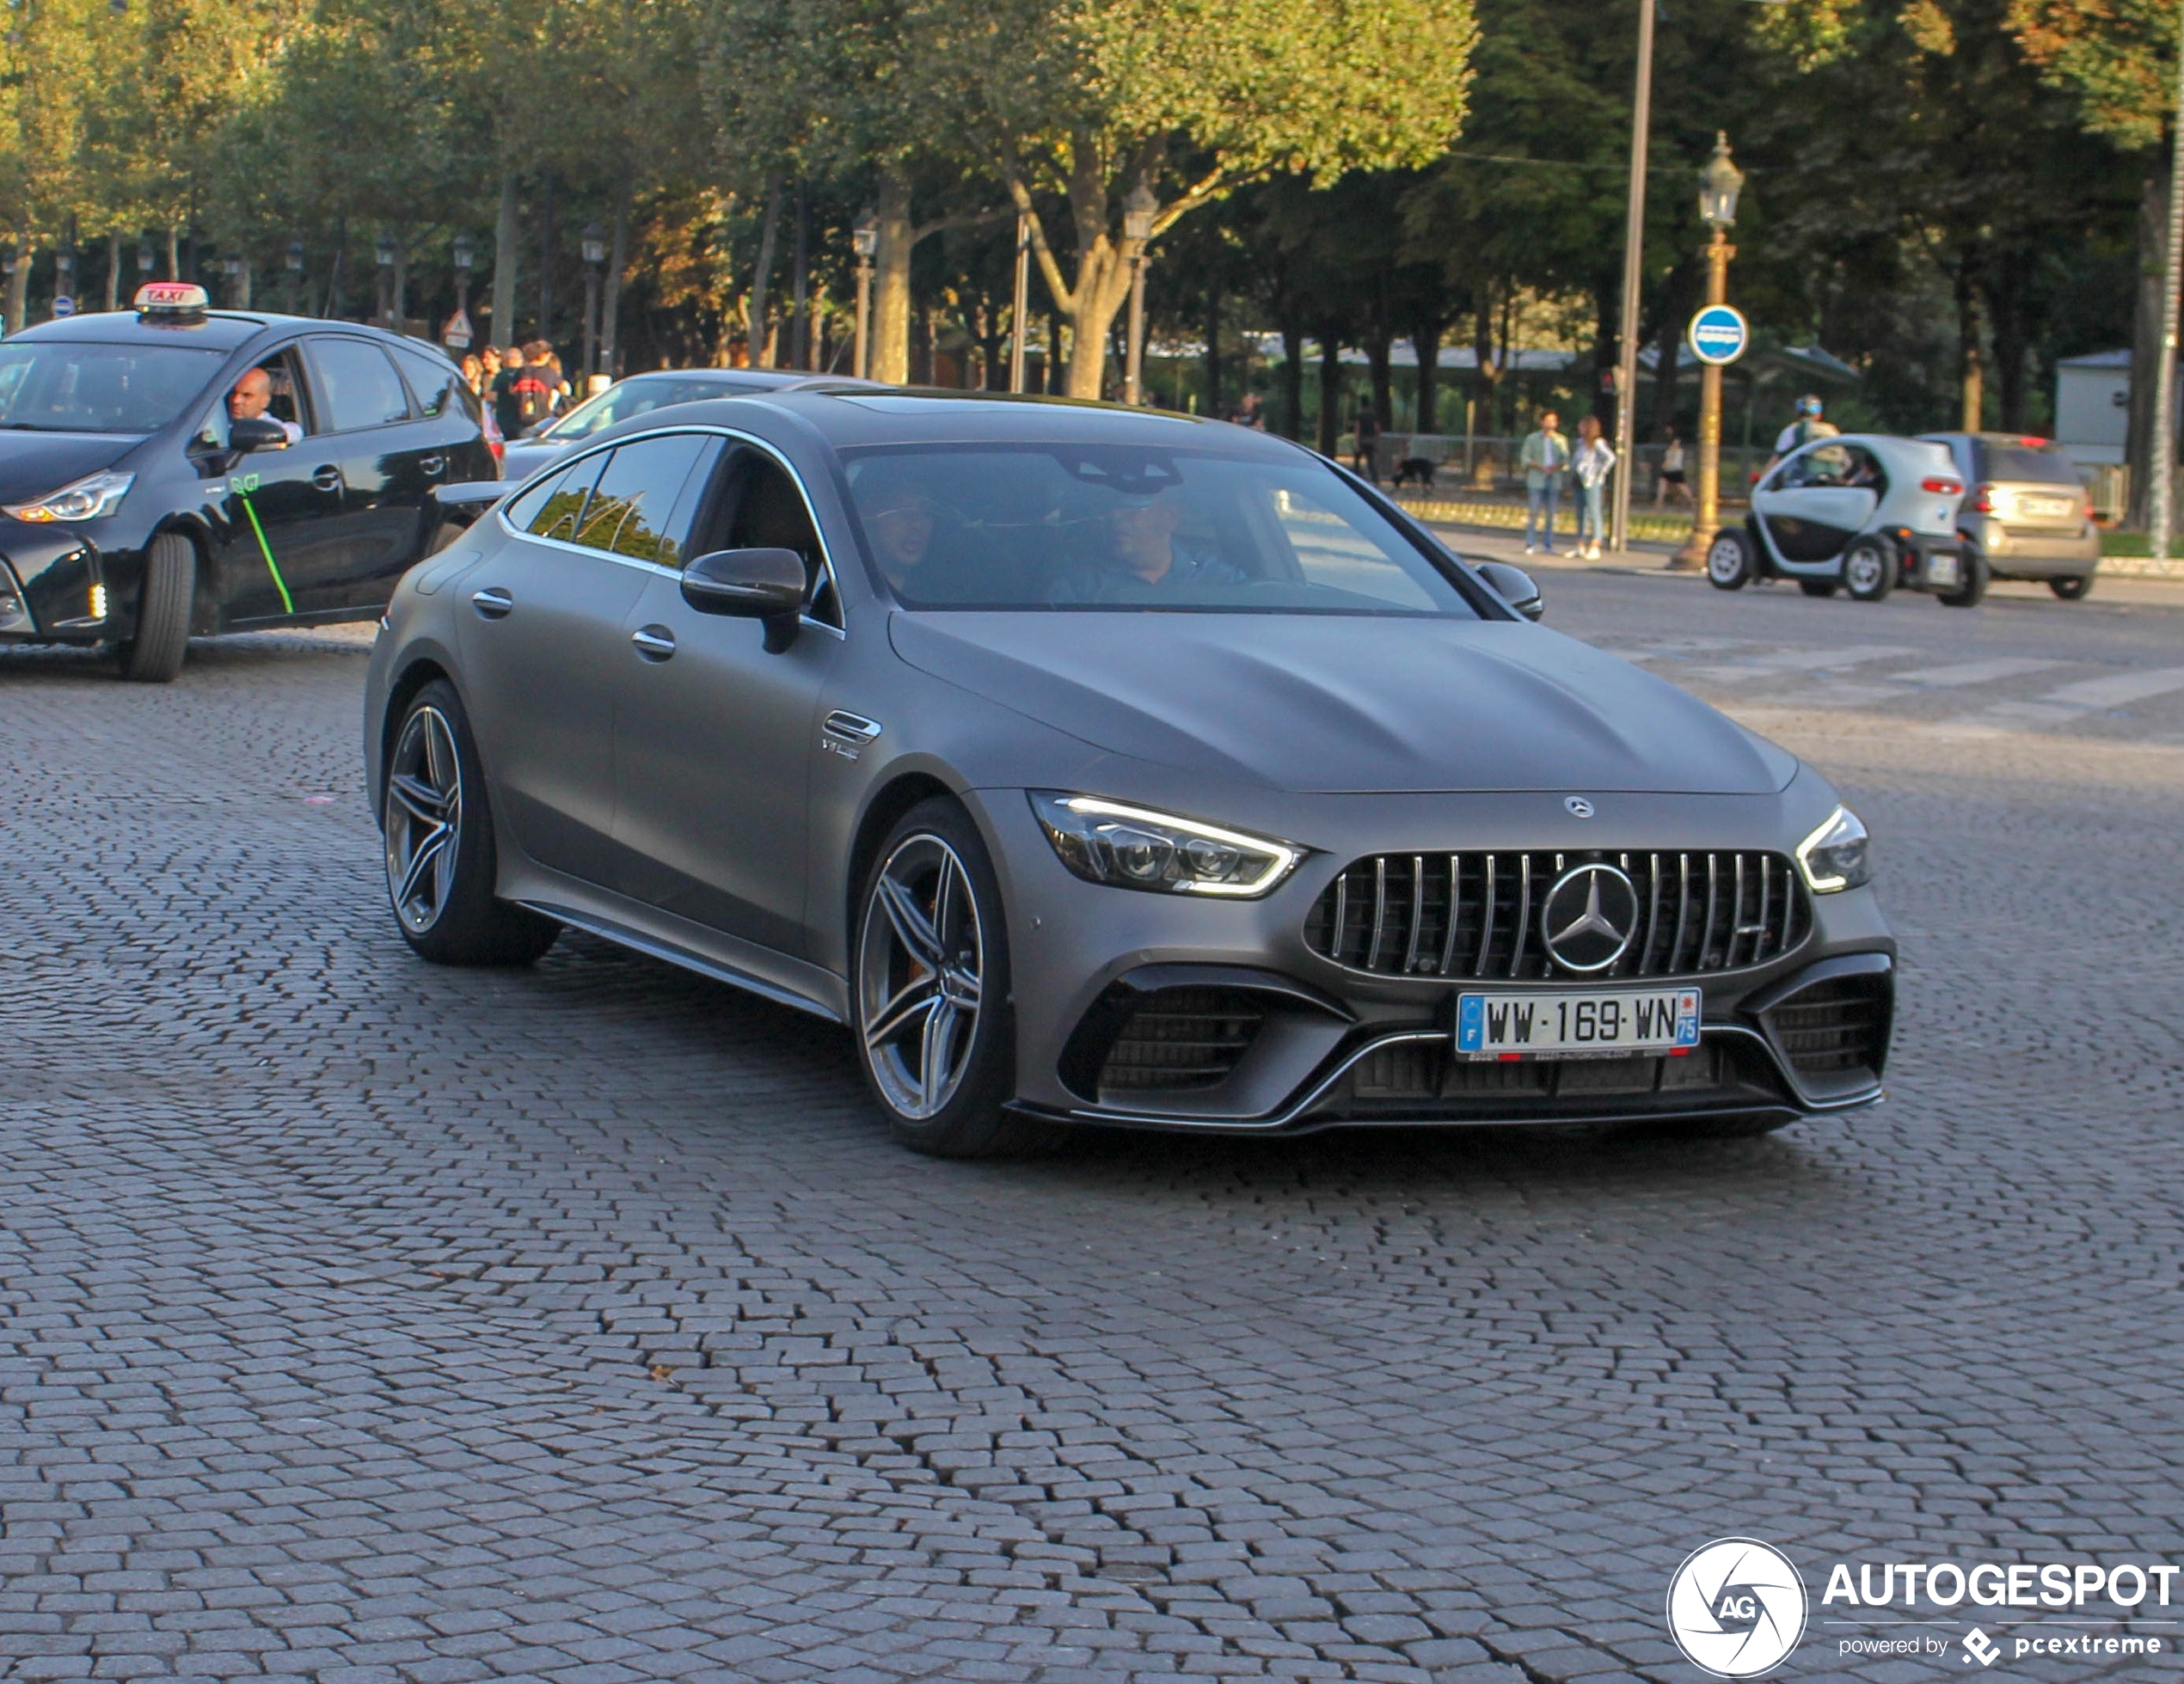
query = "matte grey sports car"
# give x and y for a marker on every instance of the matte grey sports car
(1099, 766)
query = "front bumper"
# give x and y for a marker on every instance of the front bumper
(54, 587)
(1157, 1011)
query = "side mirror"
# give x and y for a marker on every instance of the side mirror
(1514, 586)
(256, 432)
(762, 584)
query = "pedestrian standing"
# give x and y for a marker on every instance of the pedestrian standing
(1365, 443)
(474, 375)
(1545, 454)
(1590, 466)
(507, 404)
(1247, 413)
(1675, 478)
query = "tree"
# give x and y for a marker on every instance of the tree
(1187, 100)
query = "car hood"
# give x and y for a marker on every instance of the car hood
(1337, 704)
(34, 464)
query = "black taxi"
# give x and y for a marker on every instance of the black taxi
(175, 470)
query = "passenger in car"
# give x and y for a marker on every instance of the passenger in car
(1147, 548)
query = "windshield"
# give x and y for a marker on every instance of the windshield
(1122, 527)
(72, 387)
(632, 397)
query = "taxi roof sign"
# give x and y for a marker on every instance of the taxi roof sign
(172, 301)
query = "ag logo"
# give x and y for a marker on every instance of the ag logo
(1736, 1608)
(245, 483)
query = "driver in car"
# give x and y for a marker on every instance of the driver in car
(1146, 550)
(247, 402)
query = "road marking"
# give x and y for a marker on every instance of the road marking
(1972, 672)
(2118, 688)
(1789, 663)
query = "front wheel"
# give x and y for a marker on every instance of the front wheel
(1868, 570)
(2072, 587)
(439, 847)
(165, 601)
(931, 990)
(1729, 562)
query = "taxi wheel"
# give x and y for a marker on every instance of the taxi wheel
(154, 656)
(1868, 570)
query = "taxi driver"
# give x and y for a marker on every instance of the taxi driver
(247, 402)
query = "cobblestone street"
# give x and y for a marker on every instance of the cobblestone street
(364, 1321)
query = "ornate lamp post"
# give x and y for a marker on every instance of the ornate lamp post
(147, 259)
(1137, 212)
(384, 252)
(595, 254)
(292, 262)
(237, 269)
(1719, 185)
(64, 280)
(1020, 306)
(466, 258)
(864, 240)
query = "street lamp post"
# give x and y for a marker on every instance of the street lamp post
(864, 240)
(1719, 184)
(292, 262)
(1634, 242)
(146, 258)
(64, 277)
(595, 254)
(1019, 305)
(236, 270)
(466, 258)
(2162, 509)
(1138, 211)
(383, 251)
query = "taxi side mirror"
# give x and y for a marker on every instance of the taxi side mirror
(256, 432)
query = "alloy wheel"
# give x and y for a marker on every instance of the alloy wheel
(1862, 569)
(423, 818)
(921, 960)
(1725, 560)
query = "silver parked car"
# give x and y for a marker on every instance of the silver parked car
(2027, 513)
(1102, 767)
(1865, 512)
(640, 394)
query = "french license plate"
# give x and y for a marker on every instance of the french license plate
(1576, 1026)
(1944, 569)
(2046, 508)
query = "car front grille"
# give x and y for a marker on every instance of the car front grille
(1477, 915)
(1184, 1038)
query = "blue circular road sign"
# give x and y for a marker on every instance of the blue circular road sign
(1719, 334)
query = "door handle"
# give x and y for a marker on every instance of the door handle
(491, 602)
(654, 643)
(328, 478)
(431, 466)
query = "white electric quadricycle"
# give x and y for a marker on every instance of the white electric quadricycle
(1864, 514)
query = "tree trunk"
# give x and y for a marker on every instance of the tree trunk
(1489, 367)
(174, 253)
(1213, 349)
(504, 266)
(1971, 374)
(546, 260)
(890, 354)
(334, 299)
(1671, 344)
(799, 282)
(2145, 343)
(1426, 345)
(1292, 381)
(19, 283)
(1330, 388)
(112, 272)
(2005, 312)
(617, 260)
(1103, 289)
(1383, 376)
(1055, 362)
(760, 340)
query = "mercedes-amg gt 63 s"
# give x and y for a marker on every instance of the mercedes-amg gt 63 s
(1100, 766)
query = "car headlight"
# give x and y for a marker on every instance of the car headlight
(88, 498)
(1104, 841)
(1837, 855)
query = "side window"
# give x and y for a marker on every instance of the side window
(435, 382)
(552, 508)
(358, 386)
(768, 513)
(639, 499)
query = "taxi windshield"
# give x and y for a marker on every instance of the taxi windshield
(71, 386)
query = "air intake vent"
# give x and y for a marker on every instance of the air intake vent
(1833, 1027)
(1480, 916)
(1182, 1038)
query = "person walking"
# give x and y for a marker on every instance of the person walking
(1594, 462)
(1365, 443)
(1545, 454)
(1675, 478)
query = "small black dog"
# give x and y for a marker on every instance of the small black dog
(1415, 471)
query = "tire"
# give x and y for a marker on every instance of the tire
(1729, 562)
(1974, 587)
(155, 654)
(437, 821)
(930, 988)
(1868, 570)
(2072, 587)
(1817, 587)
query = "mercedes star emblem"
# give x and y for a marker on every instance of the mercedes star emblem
(1579, 806)
(1589, 917)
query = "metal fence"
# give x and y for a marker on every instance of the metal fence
(1483, 464)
